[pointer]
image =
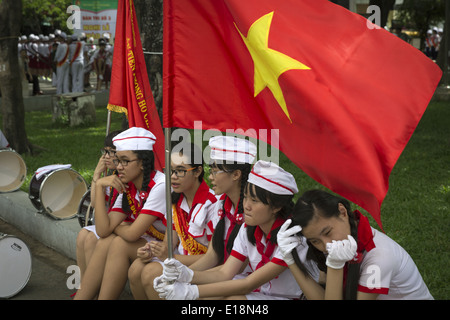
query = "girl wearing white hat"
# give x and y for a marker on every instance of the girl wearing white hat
(193, 211)
(137, 216)
(345, 246)
(87, 237)
(231, 162)
(267, 204)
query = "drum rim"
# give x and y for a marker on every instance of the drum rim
(24, 165)
(3, 236)
(80, 204)
(43, 209)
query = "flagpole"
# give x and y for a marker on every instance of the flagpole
(108, 122)
(169, 228)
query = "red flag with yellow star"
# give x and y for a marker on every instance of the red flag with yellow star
(345, 96)
(130, 90)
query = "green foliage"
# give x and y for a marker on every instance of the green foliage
(44, 16)
(421, 14)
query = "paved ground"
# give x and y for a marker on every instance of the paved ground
(49, 274)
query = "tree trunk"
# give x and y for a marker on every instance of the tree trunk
(10, 83)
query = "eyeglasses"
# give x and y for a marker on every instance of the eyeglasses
(180, 173)
(109, 152)
(215, 172)
(124, 163)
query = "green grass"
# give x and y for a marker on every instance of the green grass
(415, 213)
(79, 146)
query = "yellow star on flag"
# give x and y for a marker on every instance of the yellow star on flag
(269, 64)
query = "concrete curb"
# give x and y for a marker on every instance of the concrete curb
(44, 102)
(60, 235)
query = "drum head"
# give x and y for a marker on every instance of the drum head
(61, 192)
(12, 171)
(15, 266)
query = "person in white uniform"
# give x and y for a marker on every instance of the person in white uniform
(267, 205)
(62, 65)
(346, 247)
(87, 237)
(193, 215)
(76, 59)
(136, 217)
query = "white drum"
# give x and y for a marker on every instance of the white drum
(12, 170)
(15, 265)
(58, 193)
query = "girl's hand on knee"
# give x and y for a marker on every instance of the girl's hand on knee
(144, 253)
(159, 249)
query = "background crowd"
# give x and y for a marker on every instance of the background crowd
(64, 60)
(432, 42)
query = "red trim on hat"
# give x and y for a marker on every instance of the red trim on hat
(236, 151)
(278, 184)
(136, 137)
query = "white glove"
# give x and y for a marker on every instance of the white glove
(177, 291)
(159, 283)
(288, 240)
(339, 252)
(174, 270)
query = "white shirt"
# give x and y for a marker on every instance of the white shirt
(154, 205)
(61, 52)
(201, 219)
(390, 271)
(285, 284)
(72, 50)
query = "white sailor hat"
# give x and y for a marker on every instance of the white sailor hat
(232, 149)
(271, 177)
(134, 138)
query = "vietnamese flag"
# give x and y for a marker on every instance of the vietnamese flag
(344, 95)
(130, 88)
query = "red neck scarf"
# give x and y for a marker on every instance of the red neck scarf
(131, 195)
(237, 218)
(365, 236)
(266, 251)
(201, 196)
(364, 241)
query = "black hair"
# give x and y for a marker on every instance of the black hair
(219, 231)
(108, 143)
(195, 159)
(326, 205)
(148, 163)
(284, 202)
(108, 139)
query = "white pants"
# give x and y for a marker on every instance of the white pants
(62, 79)
(77, 76)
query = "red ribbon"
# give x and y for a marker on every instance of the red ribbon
(266, 251)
